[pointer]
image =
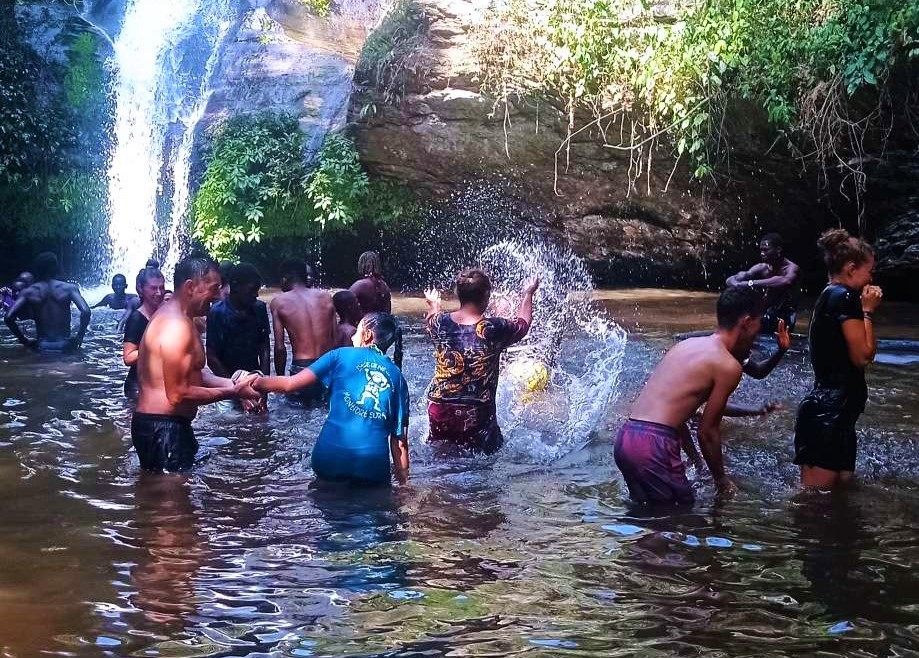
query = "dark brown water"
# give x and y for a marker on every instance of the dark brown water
(477, 557)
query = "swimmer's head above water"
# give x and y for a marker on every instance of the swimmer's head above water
(197, 283)
(151, 286)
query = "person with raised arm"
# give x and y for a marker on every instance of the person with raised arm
(467, 356)
(842, 343)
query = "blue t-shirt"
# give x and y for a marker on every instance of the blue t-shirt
(368, 402)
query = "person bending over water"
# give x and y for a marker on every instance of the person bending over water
(842, 343)
(697, 371)
(151, 287)
(368, 405)
(777, 277)
(371, 290)
(48, 301)
(307, 314)
(467, 354)
(173, 379)
(117, 299)
(349, 314)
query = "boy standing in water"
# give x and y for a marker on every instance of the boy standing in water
(697, 371)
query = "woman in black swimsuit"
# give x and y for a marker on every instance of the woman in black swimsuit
(841, 341)
(150, 289)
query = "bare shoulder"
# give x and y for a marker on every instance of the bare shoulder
(173, 327)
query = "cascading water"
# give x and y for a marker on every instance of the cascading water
(164, 55)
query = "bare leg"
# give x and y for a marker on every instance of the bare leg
(821, 478)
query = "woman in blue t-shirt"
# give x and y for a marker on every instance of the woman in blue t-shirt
(368, 405)
(841, 342)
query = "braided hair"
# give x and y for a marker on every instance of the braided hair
(386, 332)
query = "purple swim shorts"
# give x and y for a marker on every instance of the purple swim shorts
(648, 454)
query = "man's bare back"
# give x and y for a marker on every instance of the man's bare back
(685, 379)
(49, 305)
(307, 315)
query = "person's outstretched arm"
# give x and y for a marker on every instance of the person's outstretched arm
(525, 312)
(780, 280)
(761, 369)
(105, 301)
(433, 302)
(282, 384)
(736, 410)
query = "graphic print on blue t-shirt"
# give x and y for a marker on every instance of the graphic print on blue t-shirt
(368, 403)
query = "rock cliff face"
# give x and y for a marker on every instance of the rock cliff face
(445, 132)
(283, 58)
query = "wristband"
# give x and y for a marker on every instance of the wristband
(750, 284)
(869, 315)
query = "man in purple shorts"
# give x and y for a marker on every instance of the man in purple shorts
(697, 371)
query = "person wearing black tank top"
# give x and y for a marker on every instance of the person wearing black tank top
(151, 286)
(841, 341)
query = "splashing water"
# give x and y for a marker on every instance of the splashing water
(165, 55)
(547, 406)
(548, 409)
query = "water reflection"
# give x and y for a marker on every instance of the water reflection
(172, 549)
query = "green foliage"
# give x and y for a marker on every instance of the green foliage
(83, 81)
(257, 186)
(66, 206)
(391, 56)
(318, 7)
(677, 79)
(338, 185)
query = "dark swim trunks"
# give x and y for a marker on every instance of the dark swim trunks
(825, 428)
(648, 454)
(54, 345)
(163, 443)
(465, 426)
(311, 395)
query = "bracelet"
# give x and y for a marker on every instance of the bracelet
(869, 315)
(750, 284)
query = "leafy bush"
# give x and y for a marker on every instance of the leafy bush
(83, 81)
(644, 78)
(257, 185)
(318, 7)
(391, 55)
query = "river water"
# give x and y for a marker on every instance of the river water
(481, 557)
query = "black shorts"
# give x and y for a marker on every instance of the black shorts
(311, 395)
(825, 429)
(163, 443)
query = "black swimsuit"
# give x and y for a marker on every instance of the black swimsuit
(163, 442)
(825, 427)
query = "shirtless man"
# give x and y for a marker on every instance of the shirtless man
(349, 315)
(307, 314)
(118, 299)
(697, 371)
(777, 277)
(171, 374)
(371, 290)
(48, 301)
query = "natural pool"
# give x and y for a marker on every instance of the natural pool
(475, 557)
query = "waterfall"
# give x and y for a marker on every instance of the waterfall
(164, 56)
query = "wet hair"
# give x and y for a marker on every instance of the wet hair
(369, 263)
(244, 273)
(298, 271)
(839, 248)
(194, 267)
(736, 302)
(45, 266)
(27, 277)
(225, 268)
(386, 331)
(119, 277)
(145, 275)
(473, 287)
(773, 239)
(347, 306)
(152, 262)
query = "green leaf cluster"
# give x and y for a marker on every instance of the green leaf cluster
(676, 76)
(319, 7)
(83, 80)
(257, 185)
